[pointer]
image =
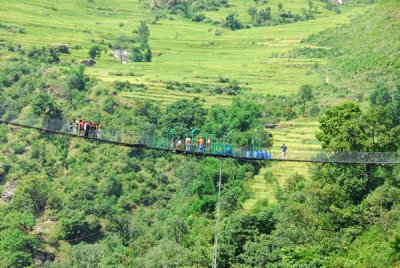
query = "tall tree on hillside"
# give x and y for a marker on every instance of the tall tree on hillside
(252, 12)
(143, 35)
(232, 22)
(142, 53)
(346, 128)
(120, 46)
(305, 94)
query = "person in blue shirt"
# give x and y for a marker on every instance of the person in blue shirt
(284, 149)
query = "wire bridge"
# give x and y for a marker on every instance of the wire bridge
(218, 149)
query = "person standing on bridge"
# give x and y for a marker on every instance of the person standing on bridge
(179, 145)
(200, 142)
(98, 131)
(284, 149)
(70, 127)
(209, 144)
(82, 126)
(77, 126)
(87, 129)
(188, 143)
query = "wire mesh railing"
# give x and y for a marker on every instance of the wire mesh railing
(214, 149)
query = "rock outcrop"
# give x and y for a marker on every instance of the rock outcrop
(88, 62)
(8, 191)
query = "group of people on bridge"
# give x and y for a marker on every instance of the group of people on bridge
(190, 146)
(88, 129)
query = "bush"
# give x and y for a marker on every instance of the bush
(44, 54)
(77, 79)
(95, 51)
(199, 18)
(232, 22)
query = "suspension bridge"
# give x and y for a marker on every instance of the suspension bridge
(218, 149)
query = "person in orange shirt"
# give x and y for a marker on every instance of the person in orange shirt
(200, 142)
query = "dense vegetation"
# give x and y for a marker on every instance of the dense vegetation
(85, 204)
(261, 14)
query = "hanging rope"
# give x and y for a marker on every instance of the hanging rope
(215, 253)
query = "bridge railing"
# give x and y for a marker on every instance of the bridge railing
(144, 138)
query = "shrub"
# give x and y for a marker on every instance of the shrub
(199, 18)
(95, 51)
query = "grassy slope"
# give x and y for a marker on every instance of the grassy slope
(183, 50)
(299, 134)
(369, 50)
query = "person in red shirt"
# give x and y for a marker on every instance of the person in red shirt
(82, 126)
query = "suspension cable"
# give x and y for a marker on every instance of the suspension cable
(215, 253)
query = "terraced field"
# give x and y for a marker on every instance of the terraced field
(299, 136)
(182, 50)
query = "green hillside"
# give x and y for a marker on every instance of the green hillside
(264, 71)
(183, 50)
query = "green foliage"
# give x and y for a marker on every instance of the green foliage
(183, 116)
(86, 255)
(142, 53)
(143, 35)
(44, 104)
(233, 88)
(340, 128)
(17, 245)
(345, 128)
(232, 22)
(305, 94)
(33, 195)
(75, 226)
(238, 124)
(94, 51)
(149, 110)
(44, 54)
(239, 231)
(199, 17)
(77, 79)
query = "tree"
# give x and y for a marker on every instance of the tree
(44, 104)
(17, 245)
(142, 53)
(77, 79)
(183, 116)
(264, 15)
(345, 128)
(380, 96)
(32, 196)
(120, 46)
(143, 35)
(95, 51)
(252, 12)
(232, 22)
(310, 4)
(340, 128)
(137, 55)
(305, 94)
